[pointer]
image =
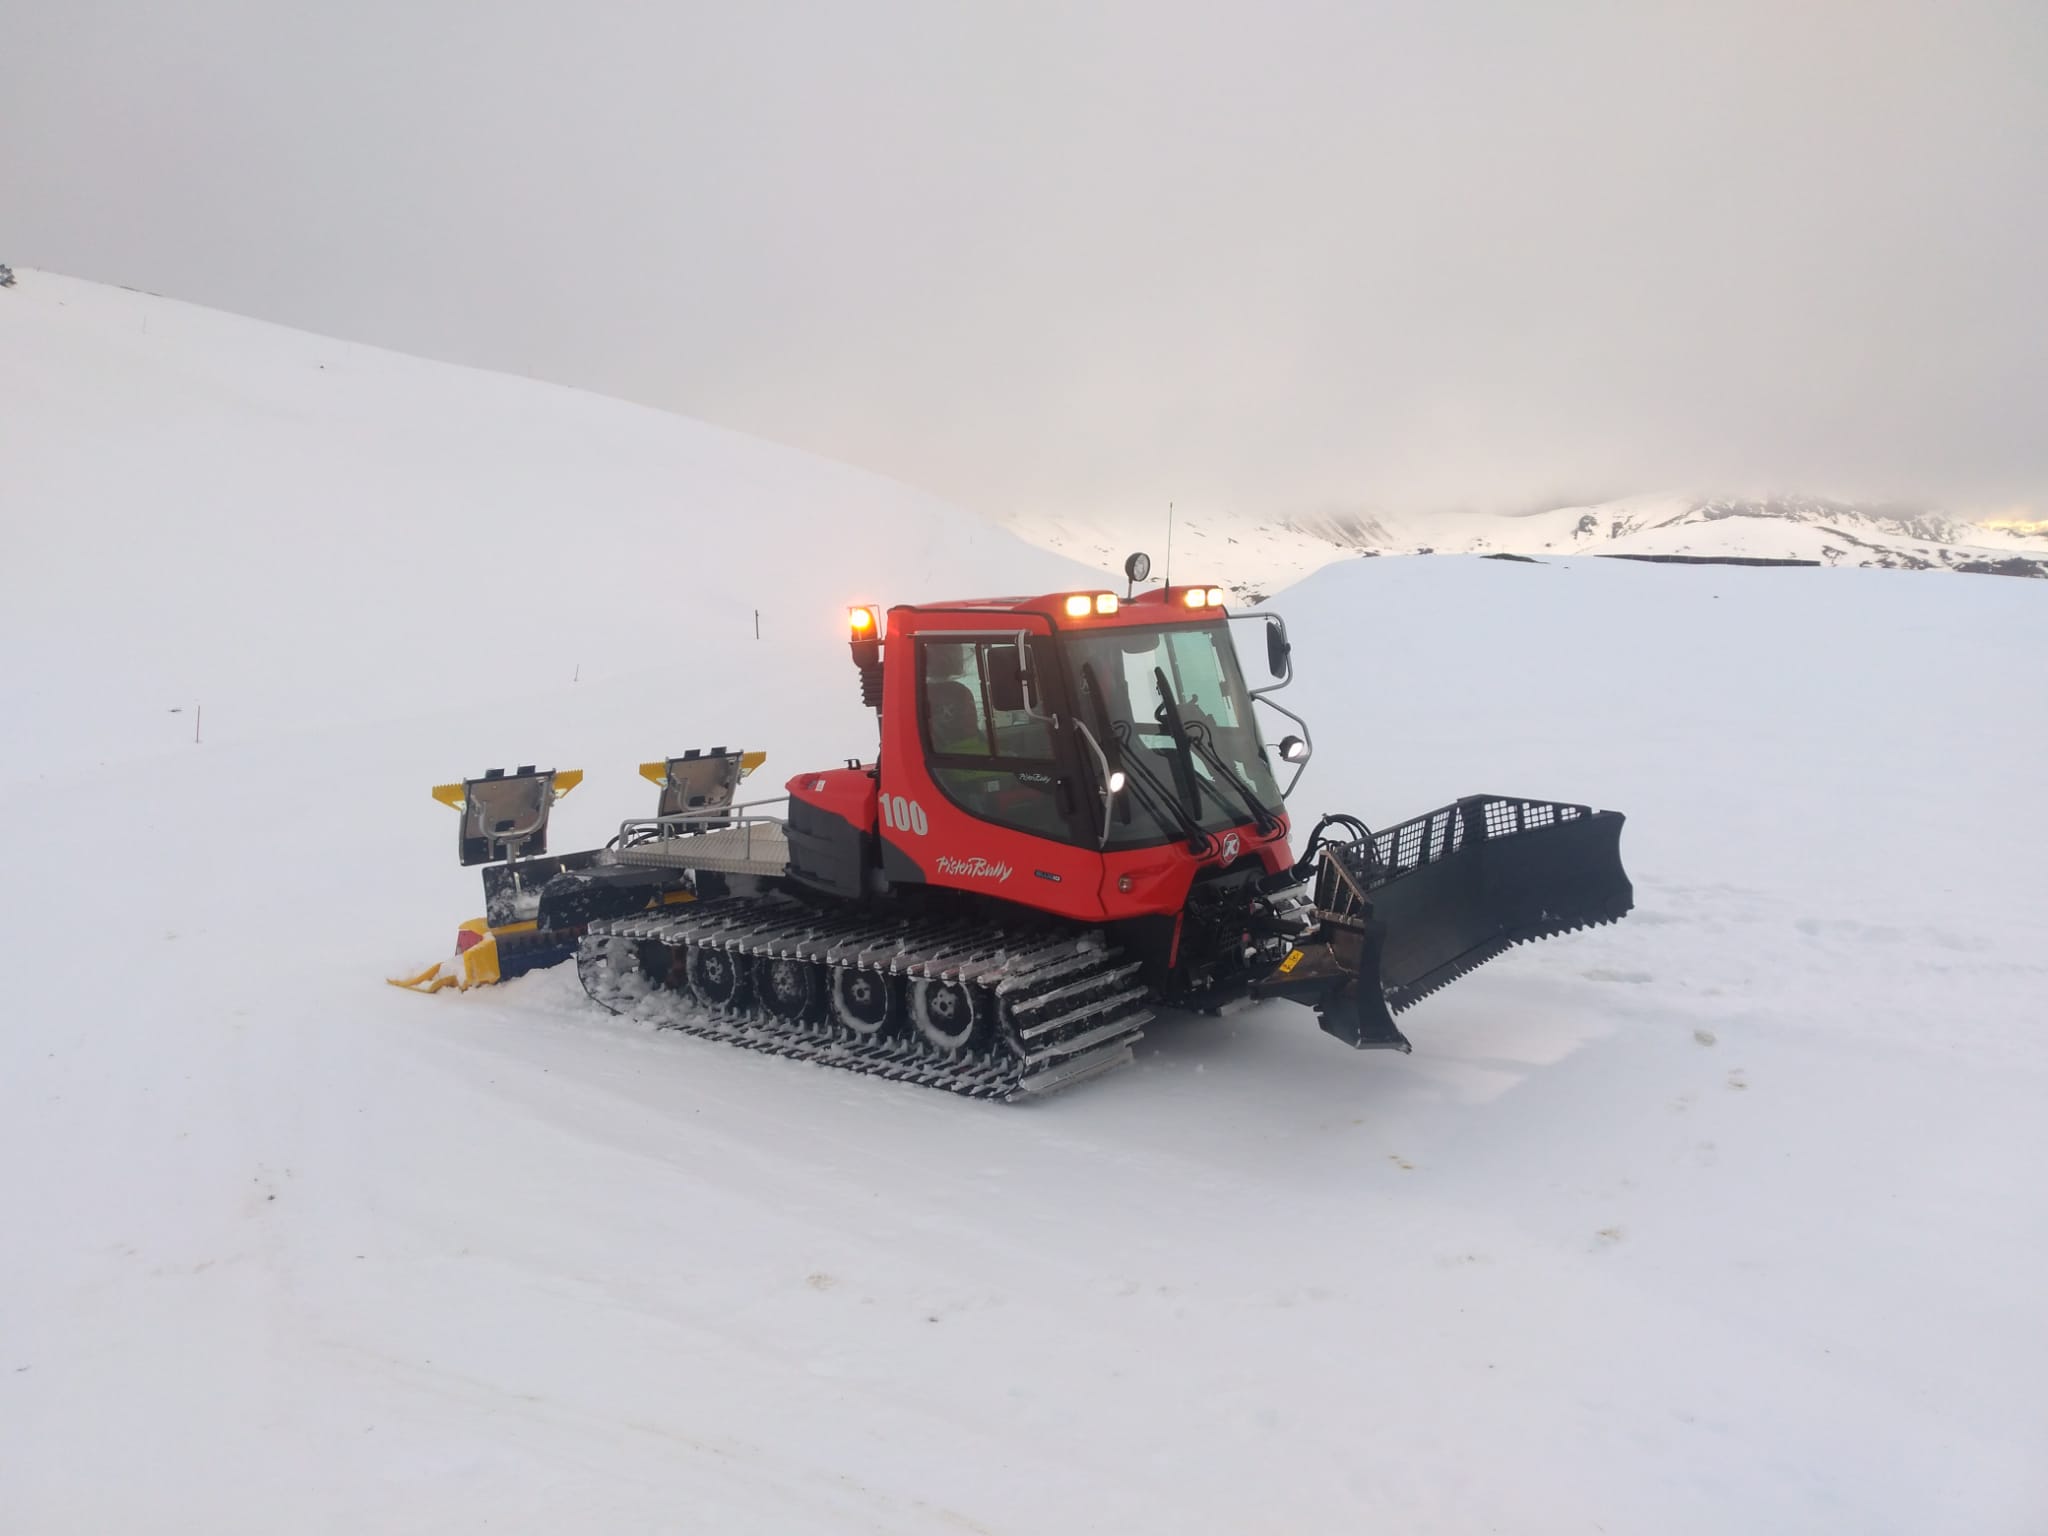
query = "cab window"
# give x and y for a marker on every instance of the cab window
(995, 764)
(951, 698)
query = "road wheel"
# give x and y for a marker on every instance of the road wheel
(865, 1001)
(947, 1014)
(789, 989)
(718, 977)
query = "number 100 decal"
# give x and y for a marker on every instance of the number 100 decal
(903, 815)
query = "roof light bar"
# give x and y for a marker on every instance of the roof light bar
(1080, 605)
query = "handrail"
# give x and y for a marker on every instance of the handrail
(1308, 739)
(1032, 701)
(691, 823)
(1102, 758)
(1265, 695)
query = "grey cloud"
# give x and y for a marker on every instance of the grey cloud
(1078, 256)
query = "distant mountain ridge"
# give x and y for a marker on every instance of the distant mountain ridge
(1257, 556)
(1776, 527)
(1925, 527)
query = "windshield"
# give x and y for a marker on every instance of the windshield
(1118, 671)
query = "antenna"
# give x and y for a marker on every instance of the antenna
(1169, 544)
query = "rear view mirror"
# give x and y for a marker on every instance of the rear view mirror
(1005, 678)
(1277, 648)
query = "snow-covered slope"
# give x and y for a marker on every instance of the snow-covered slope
(1724, 1218)
(1258, 556)
(291, 530)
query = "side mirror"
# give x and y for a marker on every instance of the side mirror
(1277, 648)
(1005, 678)
(1293, 750)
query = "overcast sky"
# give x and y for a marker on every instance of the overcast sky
(1263, 257)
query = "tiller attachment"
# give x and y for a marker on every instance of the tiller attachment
(1411, 909)
(505, 826)
(505, 829)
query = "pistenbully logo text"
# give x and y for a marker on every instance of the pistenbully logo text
(976, 868)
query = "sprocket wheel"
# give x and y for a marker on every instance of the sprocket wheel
(664, 965)
(611, 972)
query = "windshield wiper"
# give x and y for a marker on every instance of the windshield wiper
(1194, 738)
(1168, 716)
(1263, 815)
(1143, 782)
(1161, 801)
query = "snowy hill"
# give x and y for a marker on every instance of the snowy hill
(1262, 555)
(290, 530)
(1723, 1218)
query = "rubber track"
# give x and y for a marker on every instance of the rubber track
(1066, 1006)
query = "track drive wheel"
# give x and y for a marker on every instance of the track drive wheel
(663, 964)
(719, 977)
(865, 1001)
(789, 989)
(609, 968)
(948, 1014)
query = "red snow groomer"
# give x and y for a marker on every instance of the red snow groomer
(1072, 818)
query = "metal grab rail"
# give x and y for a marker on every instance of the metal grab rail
(1269, 619)
(641, 831)
(1108, 794)
(1308, 740)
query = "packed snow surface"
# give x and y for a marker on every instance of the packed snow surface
(1729, 1217)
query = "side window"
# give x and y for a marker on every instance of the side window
(954, 720)
(1016, 732)
(1018, 785)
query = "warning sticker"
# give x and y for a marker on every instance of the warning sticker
(1293, 959)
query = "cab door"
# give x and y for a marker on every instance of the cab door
(977, 792)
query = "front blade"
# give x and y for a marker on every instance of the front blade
(1456, 887)
(1413, 908)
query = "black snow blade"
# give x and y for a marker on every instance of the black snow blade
(1460, 885)
(1418, 905)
